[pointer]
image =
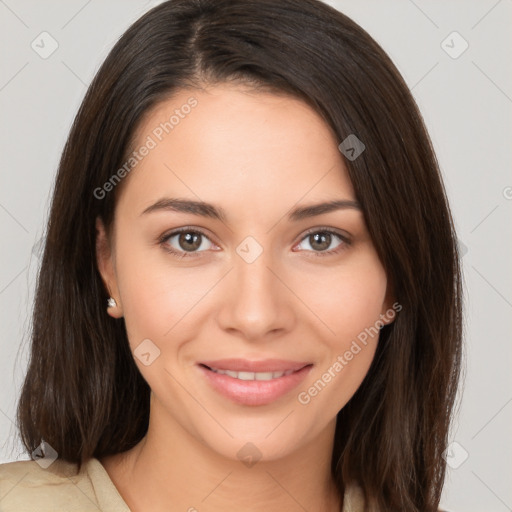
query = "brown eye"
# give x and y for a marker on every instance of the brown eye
(323, 242)
(185, 242)
(189, 241)
(320, 241)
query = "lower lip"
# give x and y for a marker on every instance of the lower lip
(254, 392)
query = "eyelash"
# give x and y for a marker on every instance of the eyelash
(184, 254)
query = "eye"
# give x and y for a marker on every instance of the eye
(321, 239)
(185, 242)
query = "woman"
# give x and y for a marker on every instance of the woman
(250, 293)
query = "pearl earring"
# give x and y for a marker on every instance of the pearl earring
(111, 302)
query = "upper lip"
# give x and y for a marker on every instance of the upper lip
(264, 365)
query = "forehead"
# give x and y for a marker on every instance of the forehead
(228, 141)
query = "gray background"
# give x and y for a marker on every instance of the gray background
(467, 105)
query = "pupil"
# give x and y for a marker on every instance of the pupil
(190, 238)
(317, 239)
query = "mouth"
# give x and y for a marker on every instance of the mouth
(254, 382)
(251, 375)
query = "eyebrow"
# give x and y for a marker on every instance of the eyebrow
(209, 210)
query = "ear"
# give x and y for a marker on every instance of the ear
(106, 267)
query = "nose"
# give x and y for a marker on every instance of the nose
(256, 302)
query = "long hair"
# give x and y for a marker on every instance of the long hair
(83, 393)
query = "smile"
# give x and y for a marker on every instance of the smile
(254, 383)
(252, 375)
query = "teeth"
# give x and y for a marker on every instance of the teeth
(265, 376)
(252, 375)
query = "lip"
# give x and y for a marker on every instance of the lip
(254, 392)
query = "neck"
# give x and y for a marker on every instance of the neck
(173, 470)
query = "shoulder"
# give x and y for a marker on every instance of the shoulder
(353, 500)
(25, 486)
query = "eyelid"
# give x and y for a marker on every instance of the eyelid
(321, 229)
(185, 229)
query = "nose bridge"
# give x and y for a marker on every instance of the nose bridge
(256, 302)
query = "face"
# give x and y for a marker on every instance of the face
(255, 284)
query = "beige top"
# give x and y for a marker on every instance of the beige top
(27, 487)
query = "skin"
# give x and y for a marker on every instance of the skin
(256, 155)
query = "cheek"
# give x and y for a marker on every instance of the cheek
(358, 306)
(335, 382)
(347, 299)
(154, 295)
(352, 305)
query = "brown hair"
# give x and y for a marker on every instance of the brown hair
(83, 393)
